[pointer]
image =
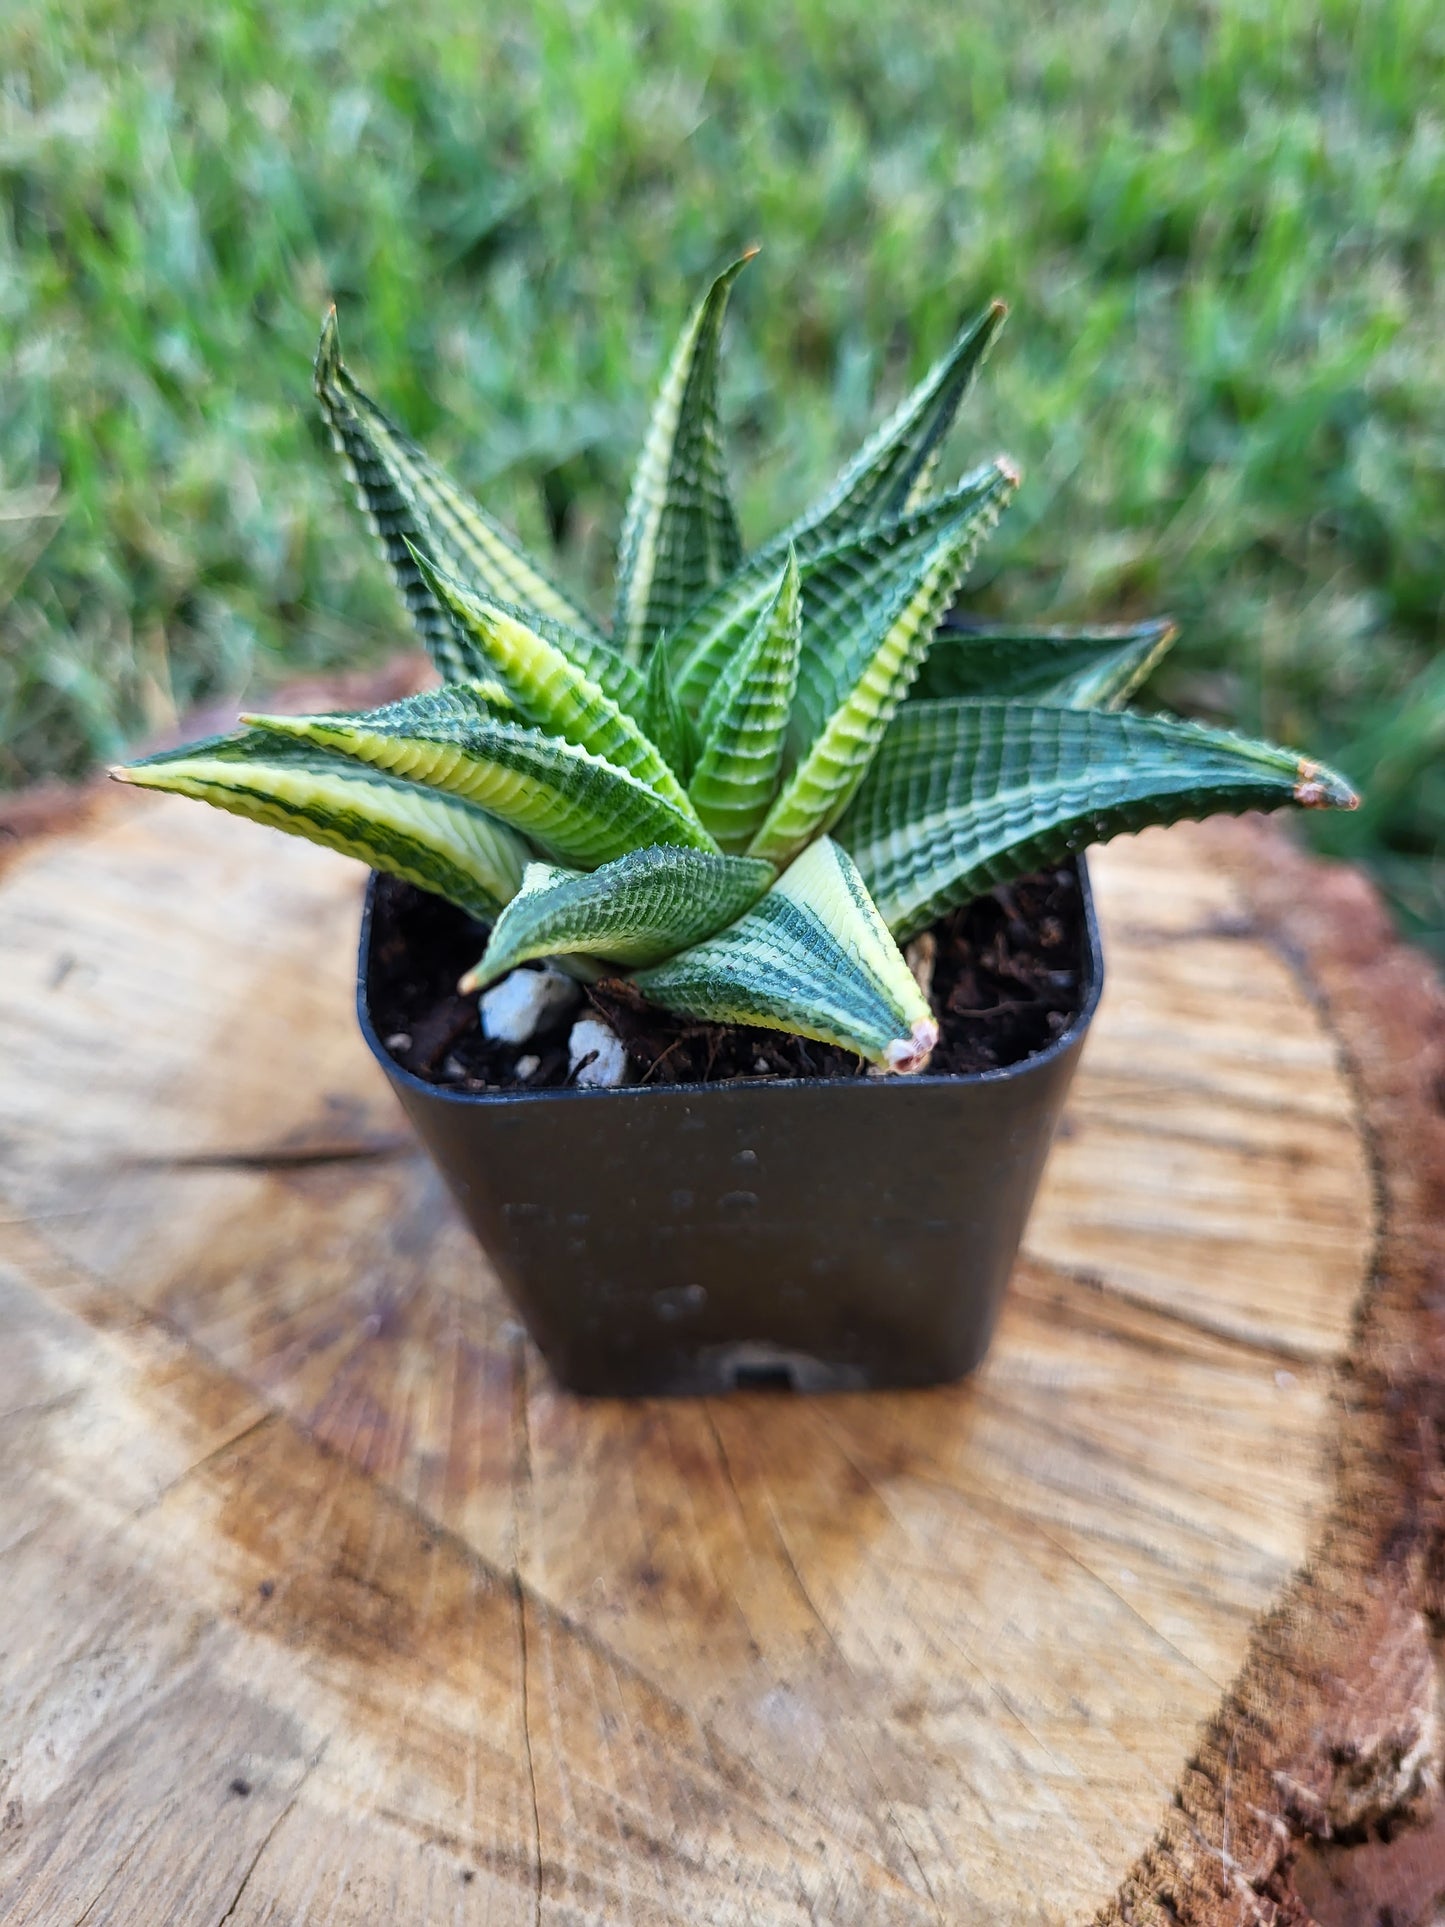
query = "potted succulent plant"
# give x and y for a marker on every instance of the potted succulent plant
(685, 857)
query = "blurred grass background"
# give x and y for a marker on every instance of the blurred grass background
(1221, 228)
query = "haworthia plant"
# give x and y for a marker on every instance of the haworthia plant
(777, 768)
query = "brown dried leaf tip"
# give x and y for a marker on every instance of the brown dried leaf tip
(1319, 789)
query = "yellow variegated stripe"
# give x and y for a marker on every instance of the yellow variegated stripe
(597, 660)
(838, 756)
(412, 502)
(550, 690)
(892, 471)
(814, 957)
(844, 616)
(963, 795)
(744, 723)
(845, 581)
(642, 908)
(576, 807)
(438, 842)
(1094, 668)
(679, 535)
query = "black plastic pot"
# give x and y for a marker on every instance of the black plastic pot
(702, 1238)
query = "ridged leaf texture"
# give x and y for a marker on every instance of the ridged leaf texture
(575, 807)
(438, 842)
(646, 906)
(895, 467)
(1096, 668)
(963, 795)
(744, 724)
(883, 661)
(842, 581)
(549, 689)
(814, 957)
(413, 504)
(846, 614)
(680, 534)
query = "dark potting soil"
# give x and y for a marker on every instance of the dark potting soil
(1007, 970)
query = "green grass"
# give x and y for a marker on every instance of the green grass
(1222, 230)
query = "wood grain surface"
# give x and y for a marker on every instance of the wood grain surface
(320, 1603)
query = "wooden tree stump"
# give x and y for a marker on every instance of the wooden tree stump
(321, 1604)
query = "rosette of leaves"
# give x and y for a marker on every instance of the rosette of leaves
(774, 767)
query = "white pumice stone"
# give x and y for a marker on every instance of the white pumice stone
(592, 1040)
(523, 1003)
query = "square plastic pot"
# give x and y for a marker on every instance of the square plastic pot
(816, 1235)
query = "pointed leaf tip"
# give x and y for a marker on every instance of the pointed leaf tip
(439, 842)
(906, 1056)
(1319, 788)
(680, 533)
(813, 956)
(965, 794)
(408, 499)
(1092, 668)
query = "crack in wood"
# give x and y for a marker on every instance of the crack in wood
(272, 1831)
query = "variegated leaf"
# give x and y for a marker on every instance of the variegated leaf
(1096, 668)
(814, 957)
(881, 661)
(549, 689)
(439, 842)
(842, 582)
(892, 471)
(413, 504)
(843, 619)
(744, 723)
(680, 535)
(644, 907)
(576, 807)
(963, 795)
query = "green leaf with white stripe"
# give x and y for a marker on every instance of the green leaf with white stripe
(883, 662)
(413, 504)
(894, 468)
(578, 808)
(814, 957)
(680, 534)
(1096, 668)
(644, 907)
(963, 795)
(843, 617)
(842, 577)
(438, 842)
(550, 690)
(744, 723)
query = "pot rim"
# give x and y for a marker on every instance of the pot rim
(1093, 987)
